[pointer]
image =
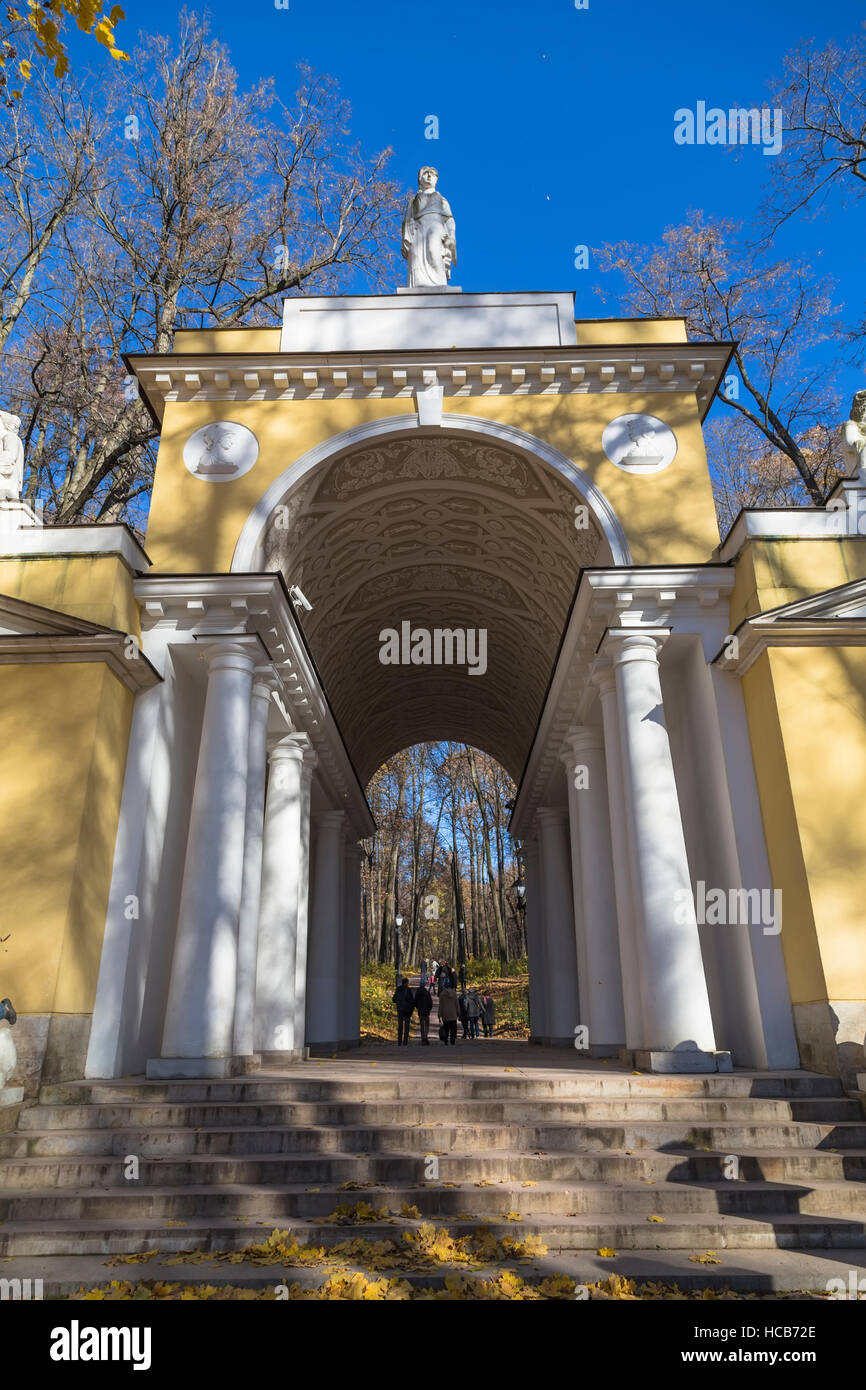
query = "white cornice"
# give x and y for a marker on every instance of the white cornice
(833, 618)
(683, 598)
(39, 542)
(112, 648)
(183, 608)
(627, 369)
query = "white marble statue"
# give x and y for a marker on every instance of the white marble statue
(854, 436)
(11, 458)
(429, 234)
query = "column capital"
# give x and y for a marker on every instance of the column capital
(294, 748)
(331, 820)
(624, 644)
(230, 653)
(582, 738)
(265, 682)
(602, 675)
(355, 851)
(552, 815)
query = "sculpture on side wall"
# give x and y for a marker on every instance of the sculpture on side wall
(429, 234)
(11, 458)
(854, 436)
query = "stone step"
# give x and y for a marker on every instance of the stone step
(260, 1144)
(765, 1272)
(291, 1202)
(514, 1165)
(587, 1232)
(257, 1114)
(576, 1084)
(216, 1163)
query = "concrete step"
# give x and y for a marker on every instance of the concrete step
(257, 1144)
(673, 1165)
(290, 1202)
(765, 1272)
(695, 1233)
(432, 1085)
(257, 1114)
(216, 1163)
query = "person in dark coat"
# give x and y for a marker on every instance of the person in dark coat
(405, 1002)
(423, 1003)
(448, 1012)
(488, 1014)
(462, 1000)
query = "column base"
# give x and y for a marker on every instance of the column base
(166, 1068)
(286, 1058)
(246, 1064)
(672, 1063)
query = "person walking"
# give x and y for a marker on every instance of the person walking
(423, 974)
(404, 999)
(424, 1004)
(463, 1012)
(462, 975)
(473, 1012)
(434, 975)
(448, 1012)
(488, 1014)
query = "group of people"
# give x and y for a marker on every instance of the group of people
(466, 1007)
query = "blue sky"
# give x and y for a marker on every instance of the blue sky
(555, 124)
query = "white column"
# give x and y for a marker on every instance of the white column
(576, 892)
(248, 925)
(351, 1025)
(559, 945)
(535, 943)
(598, 963)
(280, 894)
(124, 920)
(675, 1004)
(310, 761)
(770, 974)
(199, 1016)
(325, 972)
(603, 678)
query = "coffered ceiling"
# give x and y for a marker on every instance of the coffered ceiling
(441, 532)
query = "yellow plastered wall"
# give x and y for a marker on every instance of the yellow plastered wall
(668, 517)
(95, 587)
(806, 708)
(63, 730)
(818, 847)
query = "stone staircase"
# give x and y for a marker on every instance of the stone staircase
(584, 1156)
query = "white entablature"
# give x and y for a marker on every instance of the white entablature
(177, 610)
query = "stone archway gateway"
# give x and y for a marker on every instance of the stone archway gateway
(436, 466)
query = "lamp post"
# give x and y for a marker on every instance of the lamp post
(398, 922)
(461, 953)
(518, 888)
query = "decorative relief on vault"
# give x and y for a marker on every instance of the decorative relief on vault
(639, 443)
(432, 461)
(221, 451)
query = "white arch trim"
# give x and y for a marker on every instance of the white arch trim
(248, 541)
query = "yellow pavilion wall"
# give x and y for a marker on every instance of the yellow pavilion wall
(64, 730)
(806, 708)
(668, 517)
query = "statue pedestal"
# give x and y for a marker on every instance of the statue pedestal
(16, 514)
(430, 289)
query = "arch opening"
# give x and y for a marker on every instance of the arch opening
(417, 547)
